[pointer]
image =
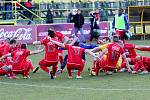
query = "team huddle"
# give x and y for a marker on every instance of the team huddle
(107, 56)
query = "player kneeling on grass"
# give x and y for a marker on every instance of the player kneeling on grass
(74, 60)
(5, 68)
(109, 62)
(19, 63)
(51, 55)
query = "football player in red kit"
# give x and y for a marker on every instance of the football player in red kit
(51, 54)
(19, 63)
(59, 37)
(75, 60)
(113, 50)
(4, 49)
(134, 59)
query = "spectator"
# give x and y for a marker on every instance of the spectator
(78, 20)
(103, 15)
(70, 17)
(28, 13)
(8, 9)
(49, 17)
(95, 31)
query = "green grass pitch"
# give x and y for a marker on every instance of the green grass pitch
(119, 86)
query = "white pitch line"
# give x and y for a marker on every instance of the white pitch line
(73, 88)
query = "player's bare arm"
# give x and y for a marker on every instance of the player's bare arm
(36, 51)
(57, 43)
(36, 43)
(103, 53)
(96, 49)
(91, 53)
(127, 62)
(5, 56)
(66, 39)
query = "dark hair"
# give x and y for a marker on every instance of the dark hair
(107, 39)
(76, 44)
(7, 40)
(23, 46)
(13, 41)
(51, 33)
(115, 38)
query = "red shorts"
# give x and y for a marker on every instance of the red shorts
(76, 66)
(133, 60)
(1, 64)
(104, 66)
(46, 63)
(2, 72)
(21, 67)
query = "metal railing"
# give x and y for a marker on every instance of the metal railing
(60, 10)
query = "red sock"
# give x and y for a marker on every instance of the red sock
(69, 71)
(61, 59)
(80, 70)
(141, 65)
(27, 70)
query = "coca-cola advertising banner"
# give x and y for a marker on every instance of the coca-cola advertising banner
(65, 28)
(28, 34)
(25, 34)
(68, 28)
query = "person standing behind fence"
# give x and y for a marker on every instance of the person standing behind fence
(28, 13)
(78, 20)
(49, 17)
(95, 31)
(121, 25)
(8, 9)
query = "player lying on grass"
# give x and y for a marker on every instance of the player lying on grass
(74, 60)
(109, 62)
(19, 62)
(134, 59)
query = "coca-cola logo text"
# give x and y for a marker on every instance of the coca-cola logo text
(20, 33)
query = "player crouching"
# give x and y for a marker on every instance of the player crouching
(19, 61)
(108, 59)
(74, 60)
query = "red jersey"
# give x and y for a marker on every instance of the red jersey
(20, 56)
(145, 60)
(131, 49)
(51, 50)
(74, 54)
(18, 46)
(4, 49)
(114, 52)
(59, 36)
